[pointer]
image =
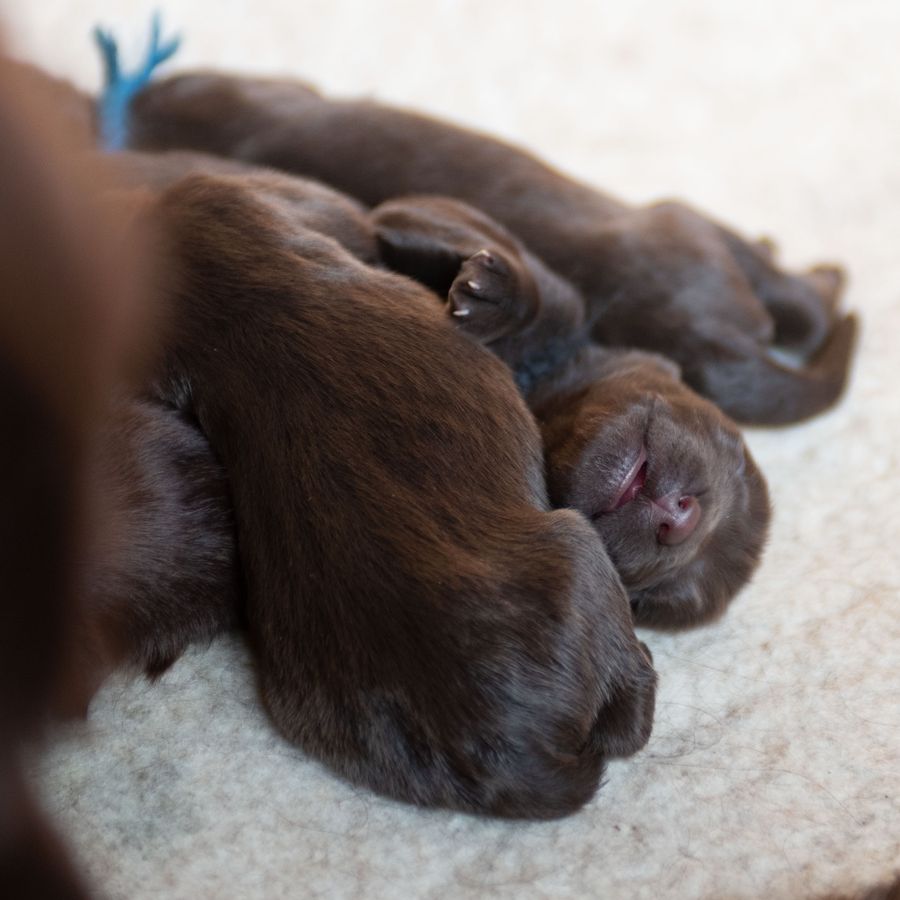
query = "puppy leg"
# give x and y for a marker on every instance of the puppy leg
(462, 256)
(804, 307)
(490, 294)
(403, 637)
(754, 387)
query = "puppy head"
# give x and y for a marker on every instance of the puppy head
(666, 480)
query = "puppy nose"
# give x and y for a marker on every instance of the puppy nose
(678, 517)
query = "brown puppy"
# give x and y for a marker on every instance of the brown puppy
(663, 475)
(687, 518)
(662, 278)
(424, 623)
(676, 573)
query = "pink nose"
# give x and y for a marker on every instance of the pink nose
(676, 518)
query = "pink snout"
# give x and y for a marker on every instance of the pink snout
(676, 517)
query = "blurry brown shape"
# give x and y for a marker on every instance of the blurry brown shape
(67, 314)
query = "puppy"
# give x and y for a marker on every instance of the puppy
(424, 623)
(660, 278)
(676, 573)
(663, 475)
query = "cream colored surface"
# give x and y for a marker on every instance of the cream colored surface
(774, 769)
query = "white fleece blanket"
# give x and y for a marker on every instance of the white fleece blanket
(774, 766)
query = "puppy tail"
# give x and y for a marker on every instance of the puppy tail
(756, 389)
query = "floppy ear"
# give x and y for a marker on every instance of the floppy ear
(413, 243)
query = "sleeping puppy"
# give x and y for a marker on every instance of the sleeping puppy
(663, 475)
(298, 205)
(661, 278)
(424, 623)
(676, 573)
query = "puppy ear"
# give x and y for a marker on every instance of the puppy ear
(412, 243)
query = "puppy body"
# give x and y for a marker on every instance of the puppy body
(424, 623)
(291, 205)
(307, 204)
(661, 278)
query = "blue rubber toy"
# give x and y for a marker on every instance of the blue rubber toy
(119, 88)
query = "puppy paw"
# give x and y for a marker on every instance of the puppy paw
(485, 294)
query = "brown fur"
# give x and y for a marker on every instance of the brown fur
(64, 318)
(661, 278)
(596, 410)
(352, 526)
(161, 570)
(424, 623)
(109, 554)
(533, 320)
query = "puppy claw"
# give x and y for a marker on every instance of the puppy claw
(483, 295)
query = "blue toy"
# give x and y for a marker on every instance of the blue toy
(119, 88)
